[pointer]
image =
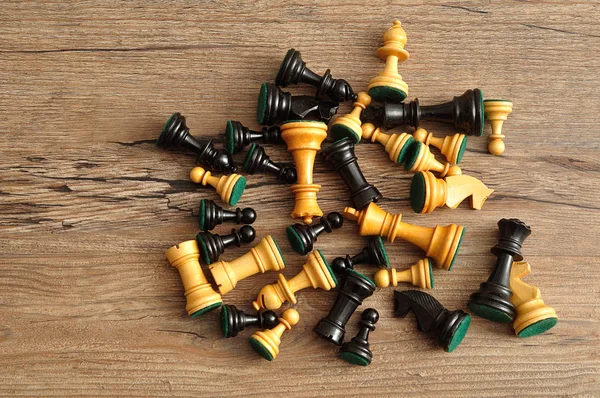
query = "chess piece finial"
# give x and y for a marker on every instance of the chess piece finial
(374, 253)
(464, 112)
(396, 145)
(441, 243)
(234, 321)
(420, 158)
(357, 350)
(315, 273)
(428, 192)
(212, 245)
(341, 156)
(388, 86)
(175, 134)
(354, 289)
(258, 161)
(492, 300)
(349, 125)
(293, 70)
(450, 327)
(230, 188)
(533, 315)
(266, 343)
(303, 237)
(210, 215)
(452, 146)
(275, 105)
(238, 136)
(200, 296)
(303, 139)
(497, 111)
(419, 274)
(265, 256)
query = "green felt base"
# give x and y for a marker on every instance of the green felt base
(248, 157)
(164, 128)
(261, 107)
(482, 127)
(354, 359)
(260, 349)
(203, 251)
(279, 250)
(538, 328)
(430, 273)
(361, 276)
(386, 259)
(387, 94)
(339, 131)
(224, 323)
(462, 236)
(489, 313)
(461, 151)
(238, 190)
(201, 213)
(229, 140)
(206, 309)
(496, 100)
(418, 190)
(335, 281)
(412, 154)
(295, 240)
(404, 151)
(459, 334)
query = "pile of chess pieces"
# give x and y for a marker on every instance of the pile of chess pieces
(301, 123)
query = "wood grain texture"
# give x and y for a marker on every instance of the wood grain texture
(88, 205)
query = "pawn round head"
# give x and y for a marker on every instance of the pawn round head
(496, 147)
(339, 265)
(370, 315)
(454, 170)
(363, 98)
(336, 219)
(291, 316)
(382, 278)
(248, 215)
(269, 319)
(197, 173)
(247, 234)
(267, 299)
(368, 129)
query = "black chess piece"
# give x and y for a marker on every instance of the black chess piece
(341, 155)
(258, 161)
(212, 245)
(234, 321)
(293, 70)
(464, 112)
(275, 106)
(355, 288)
(373, 253)
(238, 136)
(449, 327)
(492, 300)
(211, 214)
(176, 134)
(357, 350)
(302, 237)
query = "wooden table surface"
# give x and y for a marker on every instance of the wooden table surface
(89, 304)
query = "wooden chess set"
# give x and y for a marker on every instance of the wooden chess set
(303, 123)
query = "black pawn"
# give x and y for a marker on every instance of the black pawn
(211, 214)
(212, 245)
(234, 321)
(302, 237)
(492, 300)
(341, 155)
(450, 327)
(176, 134)
(373, 253)
(357, 350)
(258, 161)
(238, 136)
(464, 112)
(276, 106)
(293, 70)
(354, 290)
